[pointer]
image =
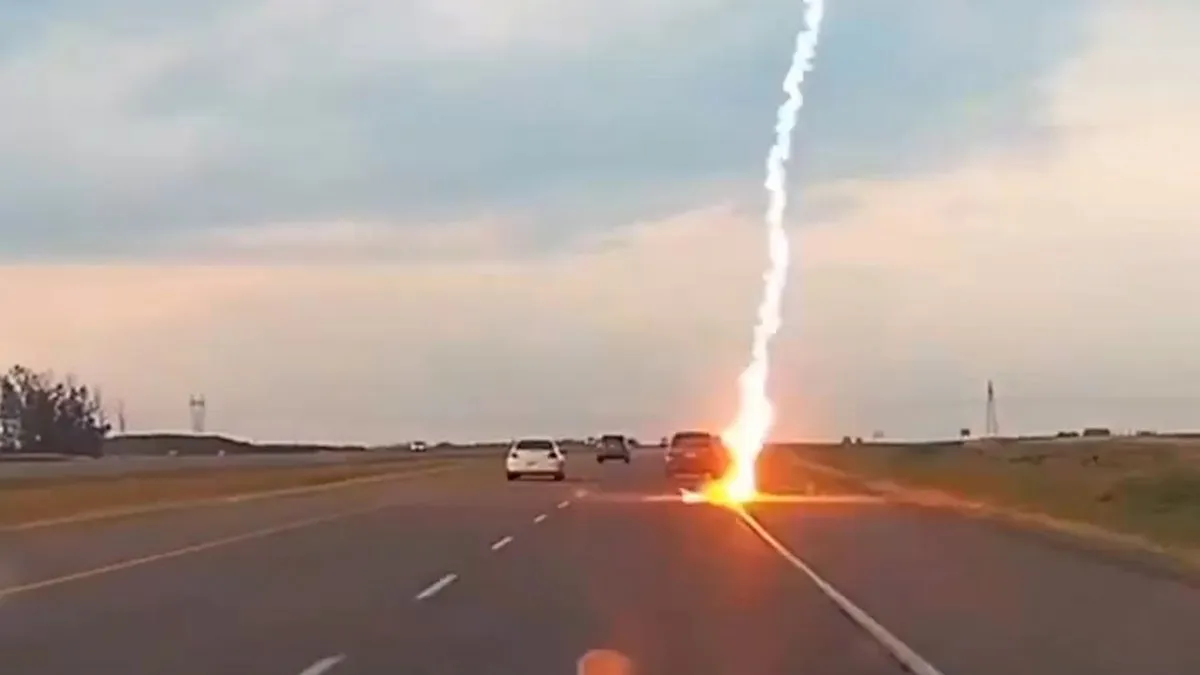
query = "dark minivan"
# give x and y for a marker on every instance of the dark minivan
(612, 446)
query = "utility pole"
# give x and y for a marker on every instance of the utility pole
(120, 417)
(992, 423)
(198, 408)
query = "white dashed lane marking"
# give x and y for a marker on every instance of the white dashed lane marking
(437, 586)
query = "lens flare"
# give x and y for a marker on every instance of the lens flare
(748, 432)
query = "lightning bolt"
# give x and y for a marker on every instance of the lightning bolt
(747, 434)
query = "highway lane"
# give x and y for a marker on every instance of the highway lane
(30, 556)
(272, 601)
(977, 596)
(524, 578)
(985, 599)
(677, 589)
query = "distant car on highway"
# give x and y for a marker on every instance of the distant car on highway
(696, 453)
(535, 457)
(418, 446)
(613, 446)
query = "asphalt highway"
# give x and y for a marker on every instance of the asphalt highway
(463, 572)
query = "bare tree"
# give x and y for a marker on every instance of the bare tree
(51, 415)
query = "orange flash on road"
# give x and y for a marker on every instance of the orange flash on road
(716, 492)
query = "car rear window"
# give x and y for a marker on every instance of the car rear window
(535, 445)
(613, 440)
(691, 439)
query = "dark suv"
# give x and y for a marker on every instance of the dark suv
(612, 446)
(696, 453)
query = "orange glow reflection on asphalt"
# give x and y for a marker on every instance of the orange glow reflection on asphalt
(604, 662)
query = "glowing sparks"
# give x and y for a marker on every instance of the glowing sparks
(716, 492)
(712, 495)
(747, 434)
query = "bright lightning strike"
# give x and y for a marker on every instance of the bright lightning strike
(747, 434)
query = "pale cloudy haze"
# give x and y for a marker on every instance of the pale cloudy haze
(372, 221)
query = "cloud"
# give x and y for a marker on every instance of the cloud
(359, 242)
(1061, 272)
(473, 348)
(128, 123)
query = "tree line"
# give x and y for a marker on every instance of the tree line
(43, 413)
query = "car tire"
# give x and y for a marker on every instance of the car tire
(599, 460)
(559, 477)
(512, 476)
(626, 460)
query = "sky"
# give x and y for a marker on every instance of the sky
(379, 220)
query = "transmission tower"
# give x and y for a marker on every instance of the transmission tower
(992, 424)
(198, 408)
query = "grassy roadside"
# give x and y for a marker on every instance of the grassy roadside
(1147, 489)
(27, 500)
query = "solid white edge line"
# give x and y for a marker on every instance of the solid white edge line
(540, 517)
(908, 658)
(501, 543)
(324, 665)
(437, 586)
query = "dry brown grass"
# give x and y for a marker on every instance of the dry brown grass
(35, 499)
(1147, 487)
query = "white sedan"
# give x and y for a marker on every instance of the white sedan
(535, 457)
